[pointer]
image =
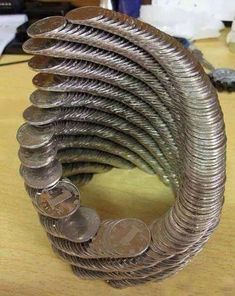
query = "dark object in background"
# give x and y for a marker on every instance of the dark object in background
(130, 7)
(35, 10)
(11, 6)
(223, 79)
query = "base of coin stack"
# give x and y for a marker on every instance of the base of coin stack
(113, 92)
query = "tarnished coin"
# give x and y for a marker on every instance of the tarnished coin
(37, 116)
(48, 99)
(80, 226)
(127, 237)
(33, 137)
(59, 201)
(48, 81)
(90, 12)
(48, 24)
(39, 157)
(42, 177)
(37, 45)
(44, 63)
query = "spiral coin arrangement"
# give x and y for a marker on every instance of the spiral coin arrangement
(115, 92)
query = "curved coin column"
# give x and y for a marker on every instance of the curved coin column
(115, 92)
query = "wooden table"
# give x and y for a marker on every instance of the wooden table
(28, 265)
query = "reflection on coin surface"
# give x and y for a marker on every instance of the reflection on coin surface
(30, 136)
(37, 116)
(42, 177)
(127, 237)
(49, 24)
(39, 157)
(59, 201)
(46, 99)
(80, 226)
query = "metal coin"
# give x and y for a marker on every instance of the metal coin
(33, 137)
(36, 116)
(58, 201)
(85, 13)
(127, 237)
(39, 62)
(49, 24)
(45, 99)
(35, 45)
(81, 226)
(47, 81)
(42, 177)
(39, 157)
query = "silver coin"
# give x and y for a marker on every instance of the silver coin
(224, 75)
(46, 99)
(35, 45)
(39, 157)
(33, 137)
(59, 201)
(49, 24)
(42, 177)
(47, 81)
(36, 116)
(39, 62)
(127, 237)
(84, 13)
(81, 226)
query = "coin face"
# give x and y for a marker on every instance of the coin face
(58, 201)
(39, 157)
(35, 45)
(43, 63)
(49, 24)
(90, 12)
(48, 99)
(33, 137)
(224, 75)
(48, 81)
(127, 237)
(37, 116)
(80, 226)
(42, 177)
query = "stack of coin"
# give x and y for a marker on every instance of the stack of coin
(115, 92)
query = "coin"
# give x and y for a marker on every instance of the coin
(48, 81)
(39, 157)
(33, 137)
(58, 201)
(35, 45)
(84, 13)
(42, 177)
(37, 116)
(39, 62)
(48, 24)
(46, 99)
(81, 226)
(127, 237)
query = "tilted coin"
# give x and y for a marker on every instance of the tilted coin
(49, 24)
(46, 99)
(80, 226)
(42, 177)
(127, 237)
(58, 201)
(33, 137)
(36, 45)
(37, 116)
(39, 157)
(48, 81)
(39, 63)
(89, 12)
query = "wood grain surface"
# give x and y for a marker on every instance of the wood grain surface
(28, 266)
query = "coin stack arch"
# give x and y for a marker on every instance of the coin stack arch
(114, 92)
